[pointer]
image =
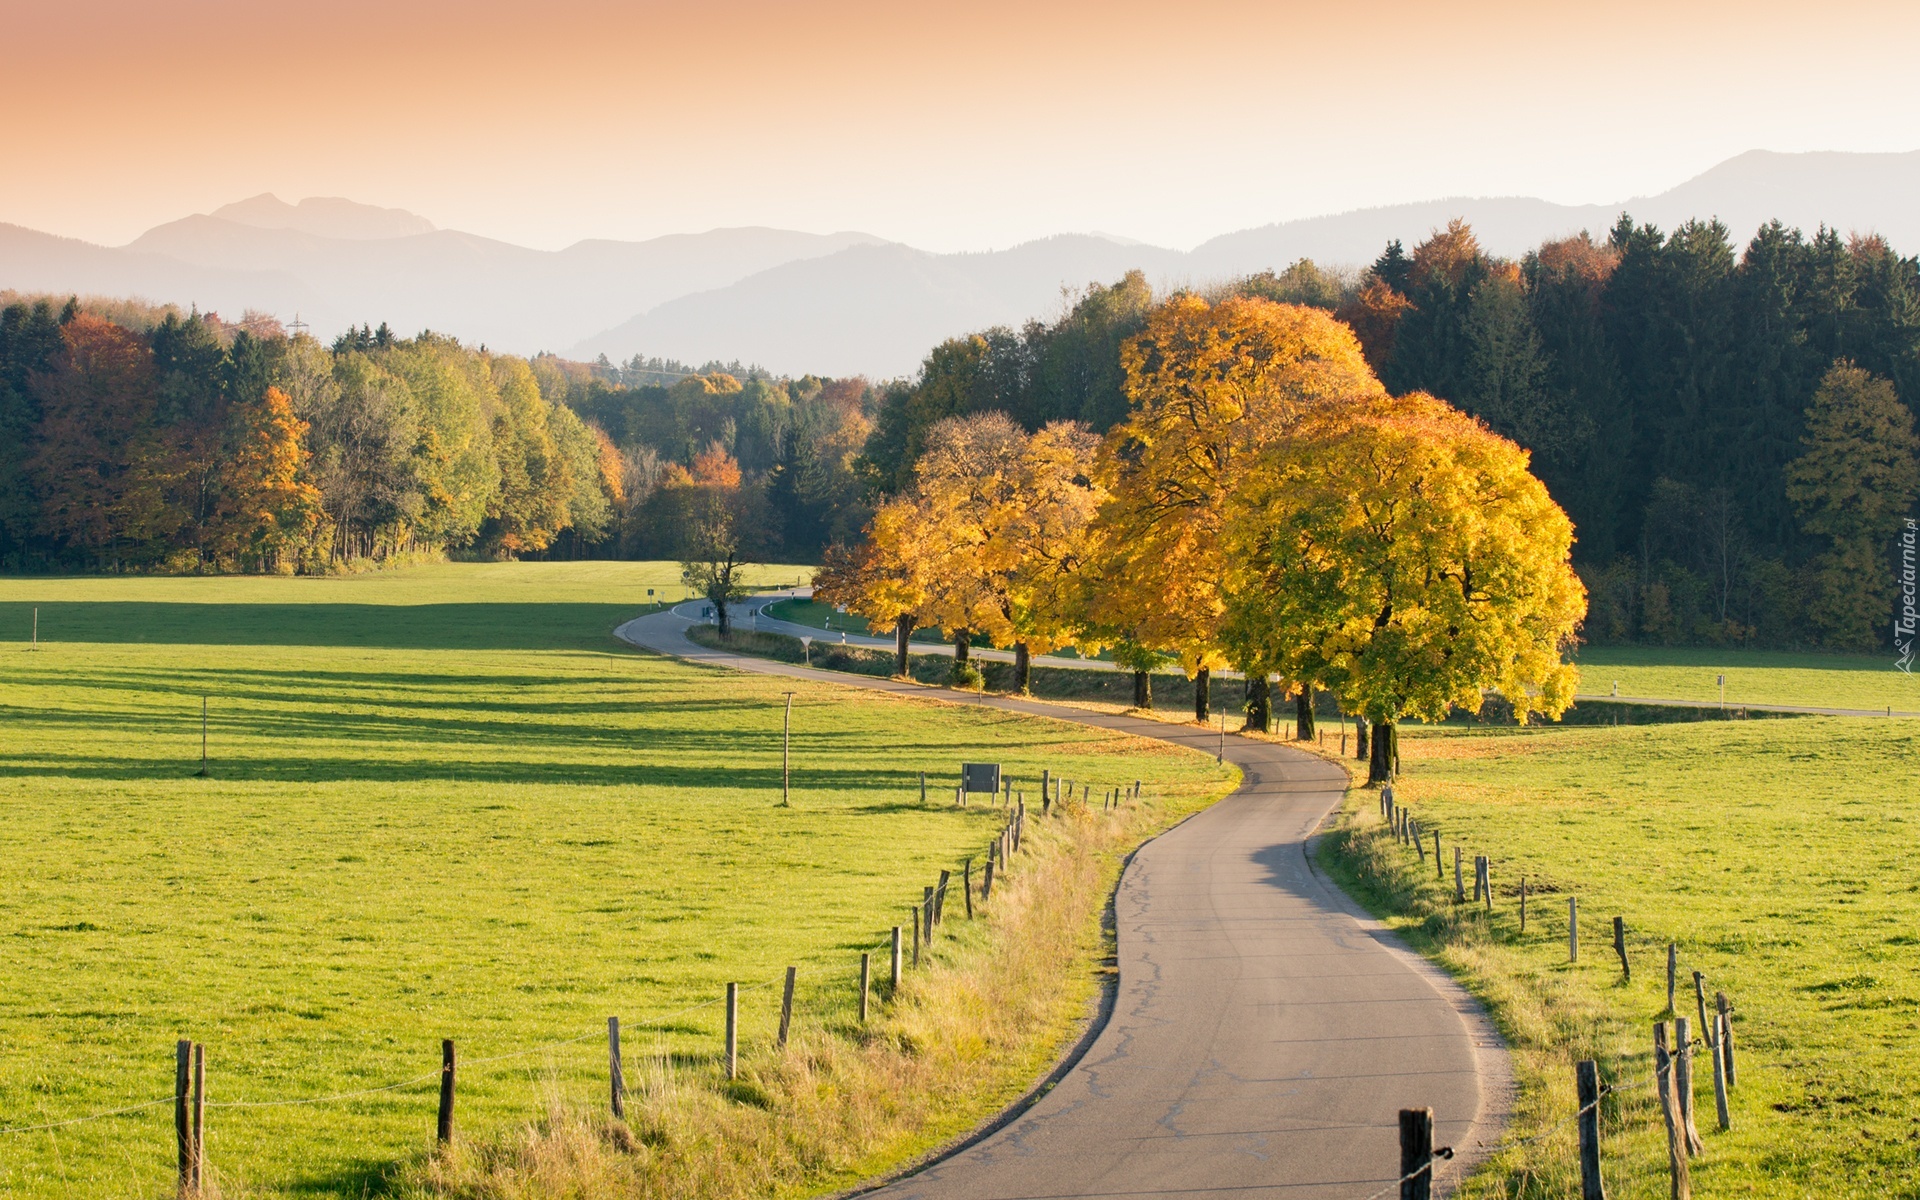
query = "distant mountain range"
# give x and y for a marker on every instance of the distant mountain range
(834, 304)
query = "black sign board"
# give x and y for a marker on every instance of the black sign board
(978, 778)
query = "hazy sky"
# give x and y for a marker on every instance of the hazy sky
(965, 125)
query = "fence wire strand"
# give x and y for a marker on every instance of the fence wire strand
(100, 1116)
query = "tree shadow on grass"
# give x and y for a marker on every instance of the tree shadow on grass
(478, 626)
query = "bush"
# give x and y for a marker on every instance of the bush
(966, 677)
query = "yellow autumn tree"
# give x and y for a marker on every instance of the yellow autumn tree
(1058, 500)
(985, 542)
(1405, 554)
(267, 510)
(1210, 386)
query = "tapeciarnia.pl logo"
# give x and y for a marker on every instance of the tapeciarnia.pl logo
(1903, 624)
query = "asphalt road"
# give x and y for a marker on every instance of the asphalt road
(1265, 1033)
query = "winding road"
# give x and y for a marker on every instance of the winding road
(1265, 1032)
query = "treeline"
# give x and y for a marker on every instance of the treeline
(1730, 432)
(148, 440)
(135, 437)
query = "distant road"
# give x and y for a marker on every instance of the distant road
(1265, 1032)
(767, 624)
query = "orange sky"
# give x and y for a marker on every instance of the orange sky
(965, 125)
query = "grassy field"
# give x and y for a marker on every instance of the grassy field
(1778, 855)
(1753, 677)
(443, 803)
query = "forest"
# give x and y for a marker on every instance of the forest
(1729, 429)
(139, 438)
(1731, 432)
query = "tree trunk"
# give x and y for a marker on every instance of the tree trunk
(1142, 690)
(1303, 728)
(1360, 737)
(1022, 668)
(902, 633)
(1203, 695)
(1259, 702)
(725, 619)
(962, 647)
(1381, 761)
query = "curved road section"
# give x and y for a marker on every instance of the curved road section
(1265, 1033)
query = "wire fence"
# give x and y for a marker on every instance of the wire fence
(189, 1095)
(1671, 1069)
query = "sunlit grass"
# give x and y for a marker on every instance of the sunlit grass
(1777, 854)
(444, 803)
(1861, 681)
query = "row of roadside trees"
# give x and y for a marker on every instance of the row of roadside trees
(1265, 505)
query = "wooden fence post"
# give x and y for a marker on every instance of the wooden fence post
(182, 1112)
(1673, 976)
(786, 1000)
(866, 967)
(1709, 1031)
(443, 1127)
(1682, 1181)
(1724, 1007)
(966, 885)
(923, 787)
(1573, 929)
(199, 1116)
(986, 882)
(1586, 1078)
(926, 912)
(614, 1073)
(1683, 1084)
(1046, 790)
(1523, 904)
(1416, 1153)
(1620, 947)
(1459, 888)
(893, 977)
(733, 1031)
(1719, 1078)
(1438, 867)
(940, 898)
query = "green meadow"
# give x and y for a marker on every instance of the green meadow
(442, 802)
(1778, 855)
(1817, 680)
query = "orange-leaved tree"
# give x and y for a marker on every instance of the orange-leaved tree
(1210, 386)
(1405, 554)
(883, 578)
(985, 541)
(267, 511)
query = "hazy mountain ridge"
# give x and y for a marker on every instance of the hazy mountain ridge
(841, 303)
(324, 216)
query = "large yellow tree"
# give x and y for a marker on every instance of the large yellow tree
(985, 542)
(1406, 555)
(1210, 387)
